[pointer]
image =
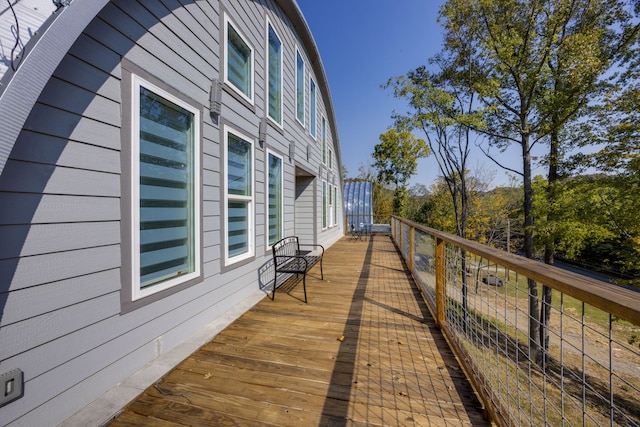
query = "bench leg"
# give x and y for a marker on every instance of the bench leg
(321, 272)
(304, 286)
(275, 281)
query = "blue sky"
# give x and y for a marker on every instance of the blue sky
(363, 44)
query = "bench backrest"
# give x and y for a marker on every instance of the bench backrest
(289, 246)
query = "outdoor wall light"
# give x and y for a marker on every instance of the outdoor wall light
(215, 97)
(262, 132)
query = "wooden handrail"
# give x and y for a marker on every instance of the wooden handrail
(616, 300)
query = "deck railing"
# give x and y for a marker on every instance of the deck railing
(588, 374)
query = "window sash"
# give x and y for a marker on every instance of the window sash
(312, 108)
(165, 192)
(299, 87)
(239, 197)
(238, 216)
(335, 205)
(239, 174)
(239, 62)
(324, 204)
(330, 206)
(324, 141)
(274, 69)
(275, 181)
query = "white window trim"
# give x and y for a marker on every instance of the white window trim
(325, 205)
(304, 87)
(266, 192)
(280, 124)
(335, 205)
(330, 206)
(136, 292)
(228, 21)
(323, 139)
(251, 199)
(313, 109)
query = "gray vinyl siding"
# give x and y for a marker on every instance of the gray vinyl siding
(61, 316)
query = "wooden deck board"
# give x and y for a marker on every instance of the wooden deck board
(363, 351)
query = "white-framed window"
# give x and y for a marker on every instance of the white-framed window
(330, 206)
(274, 75)
(335, 205)
(324, 205)
(238, 59)
(312, 108)
(330, 166)
(275, 190)
(238, 196)
(324, 141)
(299, 87)
(165, 196)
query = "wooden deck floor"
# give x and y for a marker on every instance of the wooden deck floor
(363, 351)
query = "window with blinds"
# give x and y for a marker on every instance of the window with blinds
(324, 141)
(335, 205)
(330, 207)
(299, 87)
(239, 196)
(239, 62)
(312, 108)
(274, 78)
(324, 204)
(275, 198)
(165, 205)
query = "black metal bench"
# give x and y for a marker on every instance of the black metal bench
(288, 258)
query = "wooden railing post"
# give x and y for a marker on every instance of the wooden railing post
(440, 282)
(411, 245)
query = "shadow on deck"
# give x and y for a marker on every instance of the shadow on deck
(363, 351)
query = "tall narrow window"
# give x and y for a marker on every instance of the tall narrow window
(274, 70)
(166, 190)
(312, 108)
(324, 204)
(299, 88)
(335, 205)
(330, 207)
(275, 198)
(239, 196)
(239, 62)
(324, 141)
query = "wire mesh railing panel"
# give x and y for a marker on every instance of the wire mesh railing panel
(424, 263)
(537, 357)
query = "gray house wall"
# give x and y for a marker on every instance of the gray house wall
(63, 192)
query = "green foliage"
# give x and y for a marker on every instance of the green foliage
(400, 201)
(396, 156)
(396, 160)
(382, 201)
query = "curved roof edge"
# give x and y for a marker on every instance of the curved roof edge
(20, 90)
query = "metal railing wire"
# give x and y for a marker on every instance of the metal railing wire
(588, 374)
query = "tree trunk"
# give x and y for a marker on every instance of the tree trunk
(534, 322)
(549, 248)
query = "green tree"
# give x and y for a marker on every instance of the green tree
(524, 52)
(396, 160)
(442, 106)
